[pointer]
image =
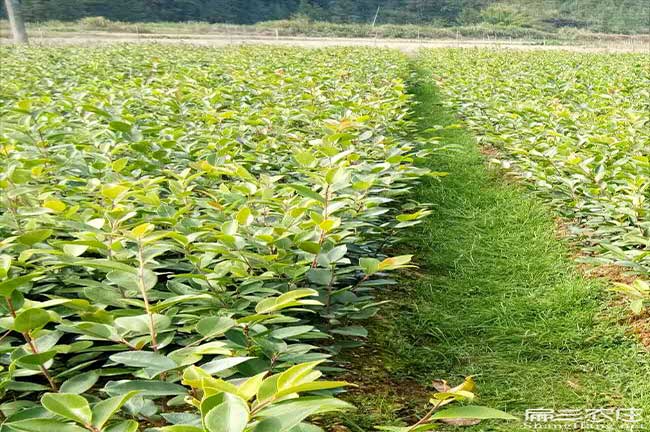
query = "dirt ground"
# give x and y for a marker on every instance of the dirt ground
(407, 45)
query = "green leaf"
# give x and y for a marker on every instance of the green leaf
(142, 230)
(306, 192)
(35, 236)
(145, 388)
(119, 164)
(322, 277)
(74, 250)
(269, 424)
(336, 175)
(291, 332)
(356, 331)
(294, 411)
(20, 176)
(172, 301)
(45, 425)
(304, 157)
(140, 323)
(336, 254)
(104, 264)
(120, 126)
(130, 281)
(113, 191)
(8, 286)
(22, 386)
(298, 374)
(229, 416)
(79, 384)
(37, 359)
(230, 228)
(123, 426)
(154, 362)
(214, 326)
(71, 406)
(182, 428)
(310, 246)
(268, 389)
(286, 300)
(311, 386)
(472, 412)
(244, 216)
(104, 410)
(219, 365)
(31, 319)
(5, 265)
(305, 427)
(395, 262)
(369, 266)
(55, 205)
(636, 306)
(250, 387)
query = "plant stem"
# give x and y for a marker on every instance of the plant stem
(314, 263)
(426, 418)
(329, 291)
(32, 347)
(143, 292)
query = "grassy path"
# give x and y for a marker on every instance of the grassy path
(498, 296)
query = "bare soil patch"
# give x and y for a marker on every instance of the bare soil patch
(407, 45)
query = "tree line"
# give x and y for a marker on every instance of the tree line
(626, 16)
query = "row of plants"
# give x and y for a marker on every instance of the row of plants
(575, 127)
(189, 235)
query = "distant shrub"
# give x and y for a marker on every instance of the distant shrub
(98, 22)
(504, 14)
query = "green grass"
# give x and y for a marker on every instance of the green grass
(498, 296)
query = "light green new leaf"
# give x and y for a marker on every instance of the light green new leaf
(369, 266)
(298, 374)
(250, 387)
(395, 262)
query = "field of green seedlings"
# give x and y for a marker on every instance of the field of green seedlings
(190, 237)
(187, 234)
(576, 127)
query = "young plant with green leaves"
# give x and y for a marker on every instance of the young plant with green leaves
(637, 293)
(464, 415)
(574, 127)
(173, 213)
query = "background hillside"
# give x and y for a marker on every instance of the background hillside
(610, 16)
